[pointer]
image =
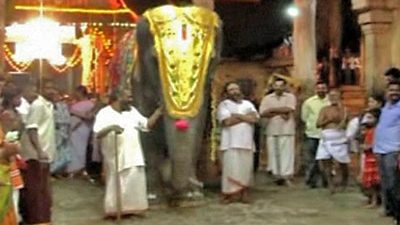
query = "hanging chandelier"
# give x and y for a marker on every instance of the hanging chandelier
(40, 38)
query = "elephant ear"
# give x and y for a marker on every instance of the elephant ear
(123, 64)
(216, 54)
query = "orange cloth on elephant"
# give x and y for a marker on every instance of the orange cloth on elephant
(370, 176)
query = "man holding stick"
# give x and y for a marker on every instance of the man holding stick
(117, 126)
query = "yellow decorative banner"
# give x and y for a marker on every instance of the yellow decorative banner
(184, 42)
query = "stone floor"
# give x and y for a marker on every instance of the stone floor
(79, 202)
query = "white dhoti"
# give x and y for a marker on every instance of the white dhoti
(133, 191)
(125, 151)
(237, 170)
(334, 145)
(281, 154)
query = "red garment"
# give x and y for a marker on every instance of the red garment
(370, 176)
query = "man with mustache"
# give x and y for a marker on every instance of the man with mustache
(309, 115)
(117, 126)
(334, 143)
(237, 117)
(387, 148)
(278, 108)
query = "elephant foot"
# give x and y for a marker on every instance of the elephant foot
(184, 203)
(154, 199)
(190, 199)
(195, 195)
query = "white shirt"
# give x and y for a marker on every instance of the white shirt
(241, 134)
(129, 147)
(41, 117)
(277, 125)
(23, 109)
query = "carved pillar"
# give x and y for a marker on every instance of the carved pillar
(2, 35)
(375, 19)
(304, 44)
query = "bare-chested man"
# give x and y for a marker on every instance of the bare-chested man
(332, 120)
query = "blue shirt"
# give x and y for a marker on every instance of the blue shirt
(387, 133)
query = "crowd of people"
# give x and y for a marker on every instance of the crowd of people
(332, 134)
(49, 134)
(42, 135)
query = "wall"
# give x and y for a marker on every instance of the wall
(230, 70)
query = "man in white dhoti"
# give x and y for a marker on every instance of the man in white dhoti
(278, 108)
(117, 126)
(334, 142)
(237, 117)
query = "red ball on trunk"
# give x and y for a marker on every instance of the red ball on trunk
(181, 124)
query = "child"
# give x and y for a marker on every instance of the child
(370, 175)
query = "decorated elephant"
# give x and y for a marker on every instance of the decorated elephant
(177, 50)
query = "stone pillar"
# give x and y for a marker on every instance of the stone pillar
(375, 19)
(377, 57)
(2, 35)
(396, 36)
(304, 62)
(304, 44)
(335, 23)
(328, 24)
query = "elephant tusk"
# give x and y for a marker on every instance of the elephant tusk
(196, 182)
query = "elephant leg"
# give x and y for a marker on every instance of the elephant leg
(154, 154)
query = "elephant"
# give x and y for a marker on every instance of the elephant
(178, 49)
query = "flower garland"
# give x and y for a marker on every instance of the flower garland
(74, 60)
(107, 42)
(214, 128)
(18, 66)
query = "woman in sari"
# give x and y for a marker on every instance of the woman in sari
(62, 120)
(81, 127)
(12, 127)
(7, 210)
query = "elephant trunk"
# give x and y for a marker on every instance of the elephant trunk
(184, 145)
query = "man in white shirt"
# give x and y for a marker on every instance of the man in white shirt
(237, 117)
(279, 108)
(117, 126)
(39, 149)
